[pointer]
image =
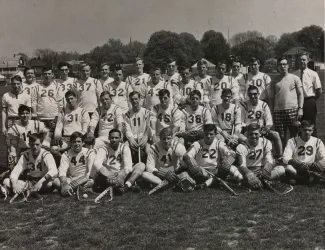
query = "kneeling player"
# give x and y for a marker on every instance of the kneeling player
(208, 157)
(39, 165)
(255, 159)
(75, 166)
(304, 154)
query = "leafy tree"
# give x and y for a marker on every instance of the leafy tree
(309, 36)
(133, 50)
(192, 47)
(286, 42)
(321, 45)
(244, 36)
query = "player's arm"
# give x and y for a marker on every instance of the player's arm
(99, 160)
(272, 96)
(152, 160)
(177, 120)
(171, 91)
(288, 151)
(206, 91)
(63, 169)
(180, 151)
(317, 86)
(153, 123)
(13, 140)
(300, 96)
(235, 90)
(127, 166)
(128, 132)
(85, 120)
(34, 100)
(4, 120)
(18, 169)
(207, 117)
(93, 123)
(237, 120)
(119, 119)
(90, 159)
(268, 162)
(268, 117)
(58, 128)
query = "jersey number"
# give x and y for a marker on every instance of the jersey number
(82, 86)
(166, 118)
(309, 150)
(150, 92)
(209, 154)
(113, 159)
(254, 155)
(81, 160)
(165, 158)
(108, 117)
(197, 119)
(226, 117)
(258, 114)
(136, 121)
(50, 93)
(71, 116)
(25, 137)
(218, 84)
(120, 92)
(31, 166)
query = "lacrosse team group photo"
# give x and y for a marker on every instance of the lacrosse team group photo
(193, 127)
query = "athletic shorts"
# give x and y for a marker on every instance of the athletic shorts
(284, 118)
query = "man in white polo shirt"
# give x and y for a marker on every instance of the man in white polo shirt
(312, 90)
(286, 101)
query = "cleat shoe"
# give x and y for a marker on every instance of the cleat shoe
(135, 188)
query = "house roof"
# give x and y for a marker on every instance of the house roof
(299, 50)
(210, 64)
(9, 62)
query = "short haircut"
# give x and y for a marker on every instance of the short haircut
(16, 78)
(134, 93)
(209, 127)
(306, 123)
(70, 93)
(105, 93)
(252, 127)
(115, 67)
(170, 60)
(138, 59)
(23, 108)
(305, 54)
(166, 132)
(104, 64)
(226, 92)
(76, 135)
(35, 136)
(202, 62)
(63, 64)
(195, 92)
(163, 92)
(184, 67)
(28, 68)
(235, 59)
(114, 130)
(85, 64)
(254, 59)
(221, 62)
(153, 69)
(282, 58)
(252, 87)
(46, 69)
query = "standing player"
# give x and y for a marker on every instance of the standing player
(10, 103)
(258, 112)
(172, 76)
(139, 80)
(30, 81)
(195, 116)
(286, 101)
(119, 90)
(212, 92)
(207, 156)
(255, 159)
(71, 119)
(238, 77)
(165, 115)
(155, 84)
(88, 90)
(203, 79)
(105, 79)
(40, 165)
(107, 117)
(65, 82)
(304, 154)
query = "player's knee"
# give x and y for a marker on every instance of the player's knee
(290, 170)
(149, 177)
(277, 172)
(56, 183)
(139, 167)
(181, 140)
(7, 183)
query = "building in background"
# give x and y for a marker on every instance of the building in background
(10, 66)
(315, 56)
(38, 65)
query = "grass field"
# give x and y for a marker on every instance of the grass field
(209, 219)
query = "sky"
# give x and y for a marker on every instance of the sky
(80, 25)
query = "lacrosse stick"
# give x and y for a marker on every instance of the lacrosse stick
(105, 192)
(27, 193)
(314, 174)
(288, 188)
(223, 183)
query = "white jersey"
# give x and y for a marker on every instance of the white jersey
(158, 157)
(139, 83)
(88, 93)
(46, 100)
(64, 86)
(114, 160)
(12, 102)
(162, 118)
(184, 90)
(103, 84)
(256, 157)
(260, 80)
(20, 134)
(28, 88)
(38, 167)
(308, 152)
(225, 119)
(120, 94)
(259, 114)
(70, 121)
(208, 156)
(137, 124)
(194, 120)
(74, 165)
(152, 97)
(106, 120)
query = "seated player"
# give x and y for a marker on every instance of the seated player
(194, 117)
(255, 159)
(164, 159)
(113, 163)
(257, 111)
(209, 156)
(165, 115)
(106, 117)
(227, 117)
(75, 166)
(39, 165)
(137, 130)
(73, 118)
(186, 86)
(18, 134)
(155, 84)
(304, 154)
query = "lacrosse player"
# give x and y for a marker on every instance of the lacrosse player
(212, 90)
(75, 166)
(88, 90)
(30, 81)
(119, 90)
(186, 86)
(105, 79)
(209, 155)
(304, 154)
(71, 119)
(139, 80)
(155, 84)
(227, 117)
(255, 159)
(10, 103)
(194, 117)
(165, 115)
(40, 167)
(18, 134)
(237, 77)
(107, 117)
(172, 76)
(137, 130)
(257, 111)
(113, 163)
(202, 79)
(164, 159)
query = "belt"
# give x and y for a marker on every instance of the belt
(13, 118)
(309, 97)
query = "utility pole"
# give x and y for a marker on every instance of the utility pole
(228, 34)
